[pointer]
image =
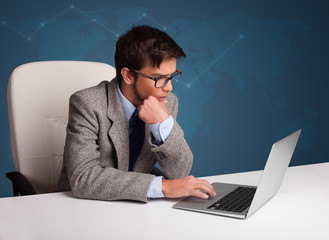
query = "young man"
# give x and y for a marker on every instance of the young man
(117, 131)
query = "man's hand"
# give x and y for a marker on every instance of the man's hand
(153, 111)
(187, 186)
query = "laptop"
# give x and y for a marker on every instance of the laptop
(241, 201)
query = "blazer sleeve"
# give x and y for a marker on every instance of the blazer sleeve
(174, 156)
(88, 177)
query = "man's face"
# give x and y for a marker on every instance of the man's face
(144, 87)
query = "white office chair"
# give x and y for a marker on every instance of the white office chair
(38, 100)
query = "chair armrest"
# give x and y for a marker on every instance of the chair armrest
(21, 186)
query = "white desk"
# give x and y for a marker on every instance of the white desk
(299, 211)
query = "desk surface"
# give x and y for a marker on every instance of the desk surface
(300, 210)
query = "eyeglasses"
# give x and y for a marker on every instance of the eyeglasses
(162, 81)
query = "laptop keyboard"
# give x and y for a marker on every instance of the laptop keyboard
(236, 201)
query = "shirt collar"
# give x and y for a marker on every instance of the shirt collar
(127, 105)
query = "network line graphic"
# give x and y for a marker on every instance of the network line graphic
(188, 85)
(117, 34)
(92, 19)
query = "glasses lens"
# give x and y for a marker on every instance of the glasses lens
(163, 81)
(175, 77)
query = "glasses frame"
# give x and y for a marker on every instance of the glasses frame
(156, 79)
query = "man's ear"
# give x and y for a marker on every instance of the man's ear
(127, 76)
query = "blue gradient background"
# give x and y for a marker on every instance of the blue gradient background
(255, 70)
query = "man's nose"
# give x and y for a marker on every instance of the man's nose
(168, 86)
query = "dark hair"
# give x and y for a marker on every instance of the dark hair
(143, 43)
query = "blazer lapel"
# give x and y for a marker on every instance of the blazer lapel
(118, 132)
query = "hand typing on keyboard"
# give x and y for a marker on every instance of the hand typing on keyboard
(187, 186)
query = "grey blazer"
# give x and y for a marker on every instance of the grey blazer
(96, 153)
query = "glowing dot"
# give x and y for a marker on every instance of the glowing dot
(164, 28)
(188, 85)
(117, 35)
(94, 20)
(29, 38)
(241, 36)
(3, 22)
(72, 6)
(42, 24)
(144, 14)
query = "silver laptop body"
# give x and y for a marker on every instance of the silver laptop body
(269, 183)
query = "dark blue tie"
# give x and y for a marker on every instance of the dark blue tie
(136, 138)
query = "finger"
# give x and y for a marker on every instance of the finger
(152, 98)
(211, 188)
(207, 191)
(199, 194)
(163, 103)
(206, 187)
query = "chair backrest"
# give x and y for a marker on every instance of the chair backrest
(38, 100)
